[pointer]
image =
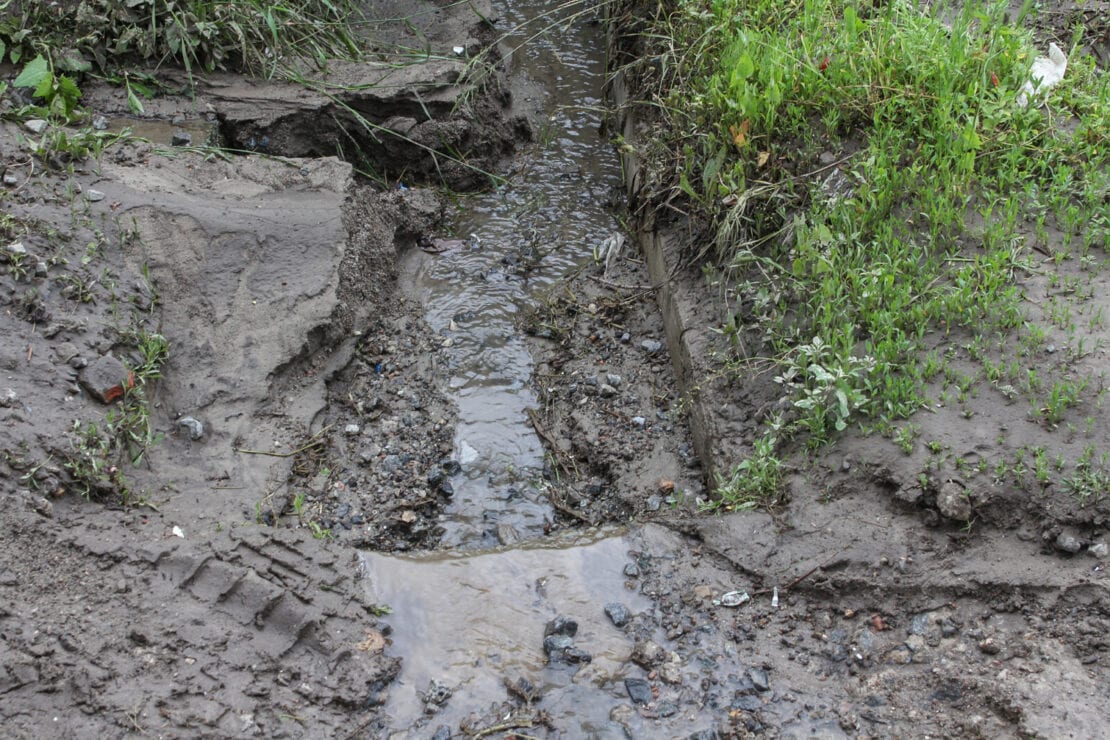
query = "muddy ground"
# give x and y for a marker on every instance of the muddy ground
(217, 588)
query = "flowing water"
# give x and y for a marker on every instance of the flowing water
(523, 238)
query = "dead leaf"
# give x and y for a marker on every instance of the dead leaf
(666, 485)
(762, 159)
(740, 133)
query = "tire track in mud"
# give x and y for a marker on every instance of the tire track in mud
(251, 634)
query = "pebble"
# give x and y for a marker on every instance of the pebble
(632, 570)
(447, 489)
(561, 625)
(94, 195)
(613, 379)
(1098, 549)
(99, 123)
(16, 248)
(104, 378)
(626, 338)
(607, 390)
(639, 421)
(919, 625)
(990, 646)
(193, 426)
(639, 690)
(1068, 542)
(35, 125)
(666, 709)
(651, 346)
(8, 398)
(352, 429)
(648, 654)
(11, 179)
(181, 138)
(342, 510)
(618, 614)
(760, 680)
(953, 502)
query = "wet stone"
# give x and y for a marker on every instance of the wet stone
(618, 614)
(181, 138)
(632, 570)
(443, 732)
(561, 625)
(759, 678)
(555, 644)
(648, 654)
(639, 690)
(452, 467)
(919, 625)
(446, 489)
(666, 709)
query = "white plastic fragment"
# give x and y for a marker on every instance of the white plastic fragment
(1044, 75)
(775, 597)
(459, 50)
(178, 533)
(732, 598)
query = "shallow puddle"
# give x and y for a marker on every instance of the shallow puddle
(162, 132)
(471, 622)
(521, 239)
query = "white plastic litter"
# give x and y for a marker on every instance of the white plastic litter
(178, 533)
(1045, 74)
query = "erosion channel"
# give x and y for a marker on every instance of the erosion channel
(363, 417)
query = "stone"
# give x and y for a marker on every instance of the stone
(11, 179)
(648, 654)
(194, 427)
(561, 625)
(606, 390)
(990, 646)
(181, 138)
(919, 625)
(352, 429)
(35, 125)
(618, 614)
(507, 534)
(639, 690)
(99, 123)
(447, 489)
(632, 570)
(1098, 549)
(16, 249)
(9, 398)
(953, 502)
(554, 644)
(94, 196)
(105, 379)
(759, 678)
(613, 379)
(651, 346)
(1069, 542)
(639, 421)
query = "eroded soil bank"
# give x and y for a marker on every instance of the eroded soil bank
(253, 585)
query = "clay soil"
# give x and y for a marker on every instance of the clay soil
(218, 592)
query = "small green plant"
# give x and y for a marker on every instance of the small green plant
(905, 437)
(755, 481)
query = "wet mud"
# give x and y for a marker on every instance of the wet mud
(436, 431)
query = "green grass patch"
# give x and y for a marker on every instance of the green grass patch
(920, 223)
(260, 37)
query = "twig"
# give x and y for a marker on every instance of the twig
(316, 440)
